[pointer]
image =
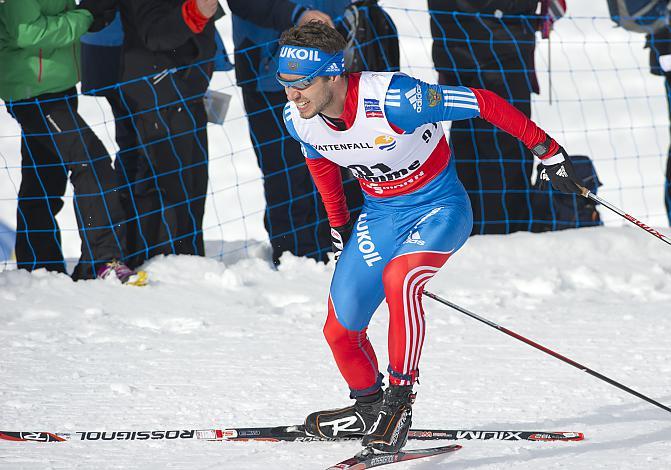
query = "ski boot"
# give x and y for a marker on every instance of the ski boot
(389, 433)
(351, 421)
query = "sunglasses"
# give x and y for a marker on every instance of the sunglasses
(299, 84)
(305, 82)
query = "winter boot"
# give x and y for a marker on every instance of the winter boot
(389, 433)
(122, 272)
(351, 421)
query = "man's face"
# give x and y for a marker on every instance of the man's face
(311, 100)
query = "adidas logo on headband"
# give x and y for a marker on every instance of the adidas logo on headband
(332, 68)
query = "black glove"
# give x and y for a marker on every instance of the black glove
(562, 175)
(339, 237)
(103, 12)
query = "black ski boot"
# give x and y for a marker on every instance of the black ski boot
(390, 431)
(351, 421)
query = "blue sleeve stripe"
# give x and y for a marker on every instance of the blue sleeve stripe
(393, 97)
(308, 150)
(466, 106)
(457, 95)
(460, 99)
(463, 99)
(458, 92)
(289, 125)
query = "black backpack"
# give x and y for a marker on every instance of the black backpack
(372, 38)
(552, 210)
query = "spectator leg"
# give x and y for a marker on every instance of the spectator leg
(43, 181)
(667, 178)
(194, 118)
(494, 167)
(171, 195)
(129, 167)
(70, 141)
(294, 217)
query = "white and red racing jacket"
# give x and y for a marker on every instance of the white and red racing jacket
(389, 135)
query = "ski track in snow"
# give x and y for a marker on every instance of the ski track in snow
(221, 344)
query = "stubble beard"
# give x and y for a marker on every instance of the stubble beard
(319, 106)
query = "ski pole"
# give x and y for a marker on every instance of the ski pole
(547, 351)
(589, 194)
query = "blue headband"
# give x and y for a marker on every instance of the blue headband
(308, 61)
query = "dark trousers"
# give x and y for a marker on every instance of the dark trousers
(295, 217)
(494, 166)
(667, 179)
(57, 142)
(660, 45)
(163, 163)
(667, 187)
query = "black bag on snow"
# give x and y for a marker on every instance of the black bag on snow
(372, 38)
(552, 210)
(659, 44)
(639, 16)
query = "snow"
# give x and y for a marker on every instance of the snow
(215, 344)
(231, 342)
(604, 103)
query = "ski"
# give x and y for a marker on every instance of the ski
(369, 459)
(297, 433)
(464, 434)
(280, 433)
(204, 434)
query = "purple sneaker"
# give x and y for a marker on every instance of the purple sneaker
(122, 272)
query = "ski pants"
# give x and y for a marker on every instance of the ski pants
(57, 143)
(394, 250)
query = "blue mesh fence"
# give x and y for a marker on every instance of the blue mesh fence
(140, 173)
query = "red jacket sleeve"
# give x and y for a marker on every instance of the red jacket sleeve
(328, 180)
(506, 117)
(193, 17)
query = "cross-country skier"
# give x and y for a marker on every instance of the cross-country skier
(385, 128)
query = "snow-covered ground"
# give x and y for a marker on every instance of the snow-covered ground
(234, 343)
(604, 103)
(231, 342)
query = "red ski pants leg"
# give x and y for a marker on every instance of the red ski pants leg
(404, 278)
(353, 354)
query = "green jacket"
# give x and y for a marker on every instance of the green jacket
(39, 46)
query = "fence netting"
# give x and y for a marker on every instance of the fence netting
(160, 177)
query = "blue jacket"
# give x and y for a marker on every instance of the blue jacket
(101, 58)
(257, 25)
(110, 36)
